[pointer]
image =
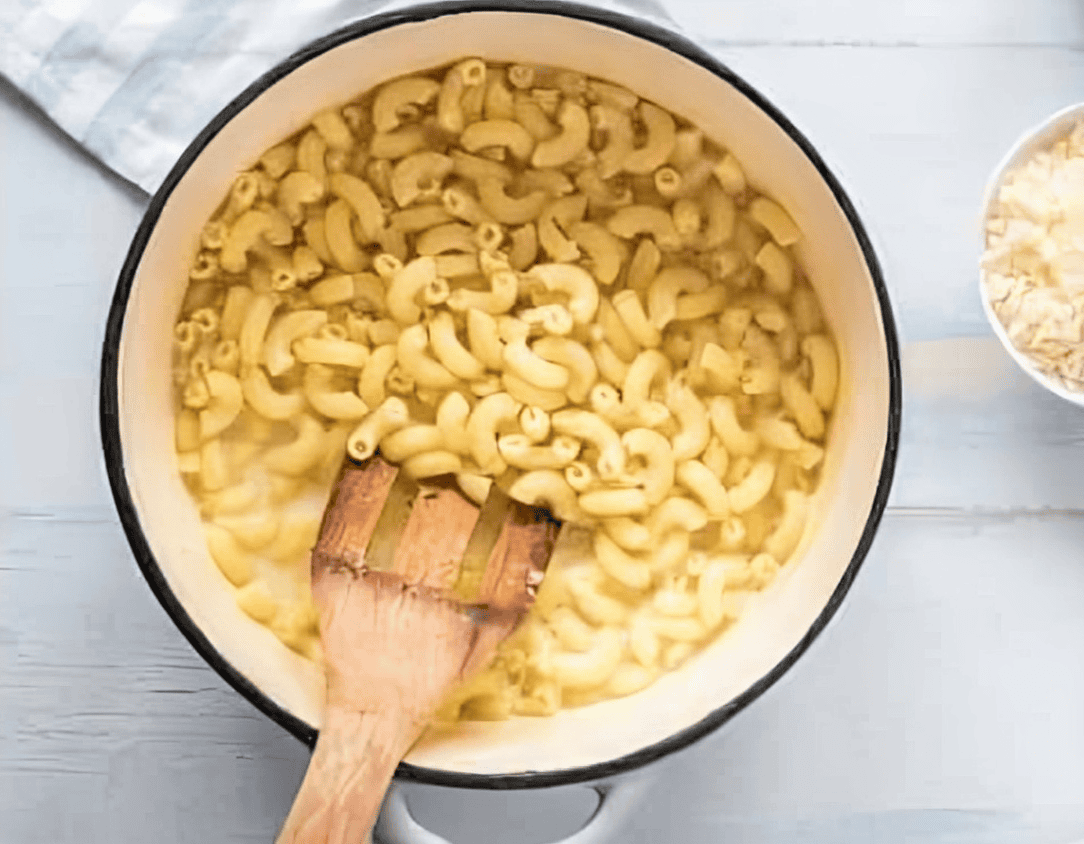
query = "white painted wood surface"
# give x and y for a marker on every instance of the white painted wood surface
(943, 704)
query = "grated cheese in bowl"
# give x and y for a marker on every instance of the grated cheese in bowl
(1033, 262)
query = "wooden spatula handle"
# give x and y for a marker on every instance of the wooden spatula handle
(351, 768)
(400, 628)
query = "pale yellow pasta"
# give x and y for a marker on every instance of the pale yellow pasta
(752, 489)
(277, 352)
(574, 359)
(572, 140)
(584, 425)
(448, 237)
(637, 220)
(519, 452)
(362, 200)
(610, 503)
(331, 351)
(296, 190)
(391, 145)
(253, 529)
(482, 430)
(533, 117)
(398, 96)
(631, 311)
(730, 174)
(450, 352)
(339, 237)
(610, 367)
(547, 488)
(247, 231)
(556, 218)
(535, 423)
(595, 606)
(420, 217)
(592, 667)
(699, 480)
(406, 284)
(661, 132)
(384, 332)
(615, 124)
(650, 369)
(656, 478)
(572, 291)
(697, 305)
(801, 405)
(214, 472)
(524, 362)
(320, 392)
(634, 572)
(668, 285)
(784, 539)
(824, 363)
(390, 416)
(692, 416)
(573, 282)
(278, 160)
(416, 177)
(612, 328)
(580, 476)
(777, 267)
(527, 393)
(232, 559)
(775, 219)
(724, 421)
(431, 463)
(722, 217)
(709, 594)
(524, 247)
(234, 311)
(483, 338)
(499, 103)
(254, 328)
(224, 404)
(451, 417)
(498, 133)
(476, 487)
(456, 265)
(256, 600)
(426, 371)
(298, 456)
(311, 151)
(570, 630)
(673, 599)
(722, 367)
(512, 211)
(407, 441)
(499, 299)
(265, 400)
(628, 533)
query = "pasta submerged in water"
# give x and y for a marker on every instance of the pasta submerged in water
(528, 276)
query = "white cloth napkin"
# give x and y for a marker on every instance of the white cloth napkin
(135, 81)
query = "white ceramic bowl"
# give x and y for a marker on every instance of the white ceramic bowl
(1031, 142)
(580, 744)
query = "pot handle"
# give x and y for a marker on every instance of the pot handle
(617, 800)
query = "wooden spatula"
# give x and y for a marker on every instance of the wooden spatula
(416, 586)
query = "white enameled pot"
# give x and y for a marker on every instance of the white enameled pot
(579, 745)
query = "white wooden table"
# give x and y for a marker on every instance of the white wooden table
(945, 703)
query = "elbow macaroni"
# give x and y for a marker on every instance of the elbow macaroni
(572, 291)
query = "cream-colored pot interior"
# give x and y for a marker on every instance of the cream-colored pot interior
(774, 162)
